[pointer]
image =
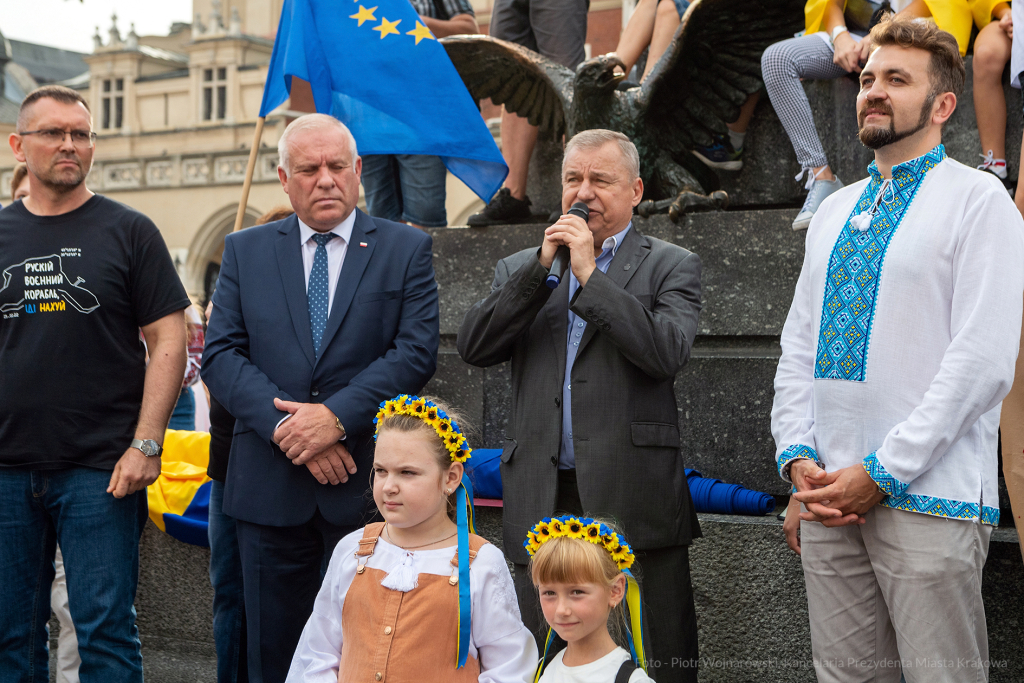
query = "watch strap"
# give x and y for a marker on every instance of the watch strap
(148, 447)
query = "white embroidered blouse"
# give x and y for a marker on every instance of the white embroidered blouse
(901, 340)
(501, 643)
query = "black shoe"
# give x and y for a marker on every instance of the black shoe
(503, 209)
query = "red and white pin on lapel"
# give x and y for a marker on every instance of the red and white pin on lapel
(362, 244)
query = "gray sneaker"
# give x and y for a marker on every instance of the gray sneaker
(819, 190)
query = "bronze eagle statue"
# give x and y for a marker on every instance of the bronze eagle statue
(698, 85)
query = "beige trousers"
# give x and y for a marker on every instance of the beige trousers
(900, 593)
(1011, 428)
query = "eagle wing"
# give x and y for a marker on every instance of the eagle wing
(525, 82)
(712, 65)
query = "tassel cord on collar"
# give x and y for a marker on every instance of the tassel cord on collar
(404, 576)
(862, 221)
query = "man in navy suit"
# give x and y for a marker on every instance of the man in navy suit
(319, 317)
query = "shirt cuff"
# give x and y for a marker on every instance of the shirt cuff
(889, 484)
(796, 452)
(279, 423)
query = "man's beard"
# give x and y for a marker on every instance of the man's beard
(63, 180)
(876, 138)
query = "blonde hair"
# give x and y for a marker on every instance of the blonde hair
(574, 561)
(275, 214)
(412, 423)
(20, 173)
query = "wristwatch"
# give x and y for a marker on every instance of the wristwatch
(835, 33)
(341, 428)
(148, 447)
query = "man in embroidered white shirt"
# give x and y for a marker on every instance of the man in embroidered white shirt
(898, 349)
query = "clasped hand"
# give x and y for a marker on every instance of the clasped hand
(572, 232)
(310, 437)
(850, 54)
(834, 498)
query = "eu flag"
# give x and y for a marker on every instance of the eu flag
(376, 67)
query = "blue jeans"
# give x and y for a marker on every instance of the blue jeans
(228, 599)
(406, 188)
(184, 415)
(99, 539)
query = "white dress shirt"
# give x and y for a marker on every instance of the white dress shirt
(336, 250)
(917, 399)
(504, 647)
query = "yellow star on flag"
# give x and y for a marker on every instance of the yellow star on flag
(420, 32)
(364, 15)
(387, 27)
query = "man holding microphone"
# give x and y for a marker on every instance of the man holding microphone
(601, 351)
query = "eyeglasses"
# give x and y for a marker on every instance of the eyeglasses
(55, 136)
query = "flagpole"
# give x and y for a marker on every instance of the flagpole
(249, 169)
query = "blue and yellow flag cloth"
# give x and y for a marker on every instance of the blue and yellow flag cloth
(376, 67)
(179, 500)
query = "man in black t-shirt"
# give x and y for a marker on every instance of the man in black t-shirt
(82, 416)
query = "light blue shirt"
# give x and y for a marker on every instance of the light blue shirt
(577, 326)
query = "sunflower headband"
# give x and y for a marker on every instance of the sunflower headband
(584, 529)
(445, 427)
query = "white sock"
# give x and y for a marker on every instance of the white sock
(736, 139)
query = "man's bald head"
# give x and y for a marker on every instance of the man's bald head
(310, 122)
(58, 93)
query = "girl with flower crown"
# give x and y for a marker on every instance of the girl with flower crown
(580, 567)
(417, 597)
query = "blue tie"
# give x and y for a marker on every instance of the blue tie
(316, 293)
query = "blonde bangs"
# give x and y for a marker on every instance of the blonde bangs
(572, 561)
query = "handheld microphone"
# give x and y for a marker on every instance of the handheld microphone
(561, 260)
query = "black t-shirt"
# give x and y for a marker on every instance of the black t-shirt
(74, 290)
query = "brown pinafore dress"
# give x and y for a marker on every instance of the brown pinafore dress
(395, 637)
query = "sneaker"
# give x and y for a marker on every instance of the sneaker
(721, 155)
(996, 167)
(819, 190)
(503, 209)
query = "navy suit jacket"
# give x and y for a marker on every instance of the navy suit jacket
(381, 340)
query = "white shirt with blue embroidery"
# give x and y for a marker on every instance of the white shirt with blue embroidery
(901, 341)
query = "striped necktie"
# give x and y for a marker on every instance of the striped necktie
(317, 292)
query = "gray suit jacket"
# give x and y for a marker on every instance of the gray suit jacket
(641, 321)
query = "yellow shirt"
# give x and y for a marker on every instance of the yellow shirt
(982, 10)
(954, 16)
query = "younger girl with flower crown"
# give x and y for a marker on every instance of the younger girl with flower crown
(416, 597)
(581, 569)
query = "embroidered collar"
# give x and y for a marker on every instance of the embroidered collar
(855, 267)
(910, 171)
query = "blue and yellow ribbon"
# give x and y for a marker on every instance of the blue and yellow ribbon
(466, 525)
(544, 656)
(635, 627)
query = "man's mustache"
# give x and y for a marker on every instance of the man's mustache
(878, 105)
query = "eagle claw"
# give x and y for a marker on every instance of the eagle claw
(691, 201)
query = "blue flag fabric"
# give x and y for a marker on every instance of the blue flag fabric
(376, 67)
